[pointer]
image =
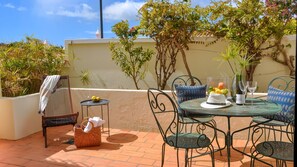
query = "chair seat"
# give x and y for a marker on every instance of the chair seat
(59, 121)
(188, 140)
(271, 123)
(277, 149)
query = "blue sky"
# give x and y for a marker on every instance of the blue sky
(58, 20)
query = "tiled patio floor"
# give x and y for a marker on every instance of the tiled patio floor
(121, 149)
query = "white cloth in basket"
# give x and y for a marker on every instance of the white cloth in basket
(97, 121)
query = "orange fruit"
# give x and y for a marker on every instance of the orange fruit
(221, 85)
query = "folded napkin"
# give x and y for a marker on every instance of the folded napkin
(97, 121)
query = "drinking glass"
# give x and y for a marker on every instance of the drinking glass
(252, 86)
(243, 88)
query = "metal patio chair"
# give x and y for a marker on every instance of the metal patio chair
(280, 147)
(166, 116)
(281, 90)
(182, 90)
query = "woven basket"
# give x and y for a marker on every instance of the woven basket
(87, 139)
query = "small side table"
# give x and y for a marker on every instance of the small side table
(101, 103)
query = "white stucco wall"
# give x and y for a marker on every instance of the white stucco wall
(128, 109)
(19, 116)
(95, 57)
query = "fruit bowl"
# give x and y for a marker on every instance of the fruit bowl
(220, 89)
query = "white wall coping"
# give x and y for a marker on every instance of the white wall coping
(107, 40)
(135, 90)
(18, 97)
(116, 90)
(139, 40)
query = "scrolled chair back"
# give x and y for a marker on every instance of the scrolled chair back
(281, 147)
(289, 118)
(285, 83)
(164, 111)
(166, 116)
(186, 80)
(183, 80)
(281, 90)
(183, 89)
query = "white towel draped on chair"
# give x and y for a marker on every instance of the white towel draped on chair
(47, 87)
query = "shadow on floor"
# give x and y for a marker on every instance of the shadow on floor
(113, 142)
(121, 138)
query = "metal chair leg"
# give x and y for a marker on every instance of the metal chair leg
(163, 154)
(212, 155)
(191, 159)
(177, 156)
(45, 137)
(216, 136)
(248, 137)
(186, 157)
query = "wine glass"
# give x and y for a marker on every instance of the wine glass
(243, 88)
(252, 86)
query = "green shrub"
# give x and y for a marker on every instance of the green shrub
(22, 65)
(132, 60)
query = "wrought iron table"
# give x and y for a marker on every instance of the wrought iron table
(259, 108)
(101, 103)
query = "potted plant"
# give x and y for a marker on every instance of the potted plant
(22, 65)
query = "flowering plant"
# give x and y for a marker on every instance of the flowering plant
(133, 31)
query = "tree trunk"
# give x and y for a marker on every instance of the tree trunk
(254, 62)
(185, 62)
(289, 61)
(135, 82)
(165, 62)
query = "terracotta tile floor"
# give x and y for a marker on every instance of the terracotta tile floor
(121, 149)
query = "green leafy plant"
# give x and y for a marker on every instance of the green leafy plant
(130, 58)
(24, 63)
(171, 26)
(257, 27)
(85, 77)
(236, 57)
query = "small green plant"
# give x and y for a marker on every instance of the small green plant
(131, 59)
(85, 77)
(236, 57)
(24, 63)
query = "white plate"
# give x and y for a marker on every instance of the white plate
(205, 105)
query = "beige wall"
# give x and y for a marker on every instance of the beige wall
(129, 109)
(95, 57)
